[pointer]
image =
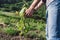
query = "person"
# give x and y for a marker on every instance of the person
(52, 17)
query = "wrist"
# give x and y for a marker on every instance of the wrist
(31, 8)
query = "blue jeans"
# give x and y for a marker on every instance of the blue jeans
(53, 21)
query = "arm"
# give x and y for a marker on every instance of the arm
(30, 10)
(39, 4)
(34, 6)
(35, 2)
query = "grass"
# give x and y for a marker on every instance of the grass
(34, 26)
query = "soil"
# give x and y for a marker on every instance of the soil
(4, 36)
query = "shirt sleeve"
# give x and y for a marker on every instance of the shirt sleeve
(44, 1)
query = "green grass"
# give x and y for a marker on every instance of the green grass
(32, 24)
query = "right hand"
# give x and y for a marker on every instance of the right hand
(29, 12)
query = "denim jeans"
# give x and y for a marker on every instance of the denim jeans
(53, 21)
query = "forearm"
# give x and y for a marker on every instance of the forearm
(39, 5)
(35, 2)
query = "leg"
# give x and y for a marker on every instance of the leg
(52, 23)
(46, 24)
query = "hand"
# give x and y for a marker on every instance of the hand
(29, 12)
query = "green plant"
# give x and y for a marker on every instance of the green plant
(0, 29)
(10, 31)
(40, 26)
(31, 34)
(21, 24)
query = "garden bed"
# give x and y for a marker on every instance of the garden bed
(4, 36)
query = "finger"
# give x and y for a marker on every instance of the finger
(26, 14)
(31, 13)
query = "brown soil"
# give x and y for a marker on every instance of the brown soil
(4, 36)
